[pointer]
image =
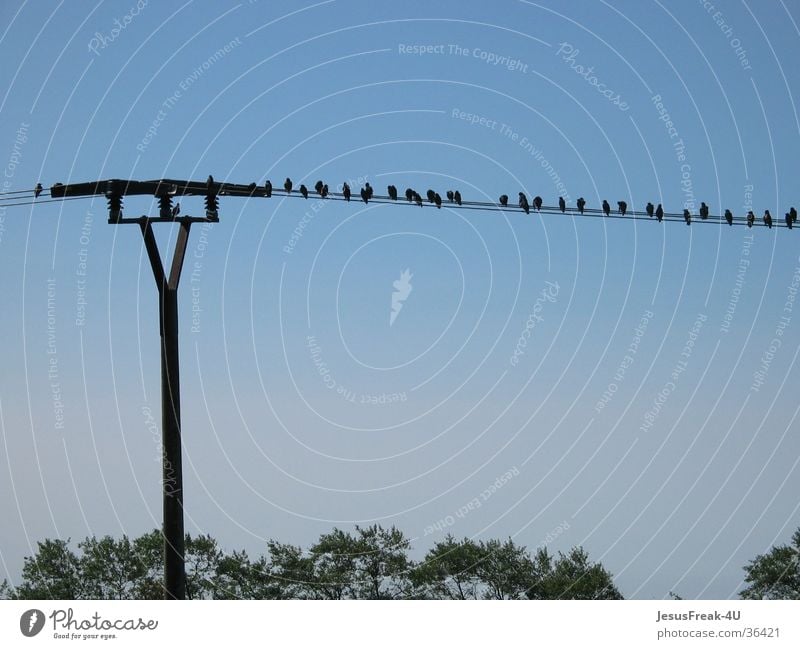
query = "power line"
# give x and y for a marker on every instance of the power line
(166, 188)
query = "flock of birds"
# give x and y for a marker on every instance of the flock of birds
(454, 197)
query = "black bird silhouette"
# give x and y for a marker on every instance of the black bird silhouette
(457, 197)
(418, 199)
(793, 214)
(687, 216)
(368, 187)
(438, 200)
(392, 192)
(729, 217)
(209, 182)
(365, 194)
(537, 203)
(346, 192)
(623, 207)
(288, 185)
(431, 195)
(252, 188)
(176, 210)
(606, 208)
(324, 192)
(581, 203)
(304, 191)
(703, 211)
(268, 189)
(649, 209)
(659, 212)
(409, 194)
(523, 203)
(562, 204)
(504, 200)
(450, 195)
(768, 219)
(788, 220)
(318, 187)
(751, 218)
(37, 190)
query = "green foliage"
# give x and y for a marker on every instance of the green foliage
(368, 563)
(53, 573)
(775, 575)
(573, 577)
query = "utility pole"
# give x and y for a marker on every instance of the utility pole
(167, 284)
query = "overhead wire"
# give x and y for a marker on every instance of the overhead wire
(485, 206)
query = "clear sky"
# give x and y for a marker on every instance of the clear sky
(626, 386)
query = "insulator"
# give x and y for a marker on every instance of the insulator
(212, 206)
(165, 206)
(114, 206)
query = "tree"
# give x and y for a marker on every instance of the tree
(202, 557)
(238, 577)
(382, 563)
(292, 575)
(109, 569)
(572, 576)
(505, 569)
(149, 550)
(54, 572)
(448, 571)
(7, 590)
(775, 575)
(334, 567)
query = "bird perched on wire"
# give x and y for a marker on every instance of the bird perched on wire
(523, 203)
(252, 188)
(606, 208)
(649, 209)
(37, 190)
(703, 211)
(210, 182)
(365, 194)
(392, 192)
(431, 195)
(623, 207)
(687, 216)
(729, 217)
(659, 212)
(768, 219)
(788, 220)
(346, 192)
(537, 203)
(304, 191)
(751, 218)
(581, 203)
(409, 194)
(176, 210)
(318, 187)
(287, 185)
(562, 204)
(450, 195)
(418, 199)
(268, 189)
(793, 214)
(457, 197)
(504, 200)
(324, 192)
(438, 200)
(368, 187)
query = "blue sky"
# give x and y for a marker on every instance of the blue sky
(303, 407)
